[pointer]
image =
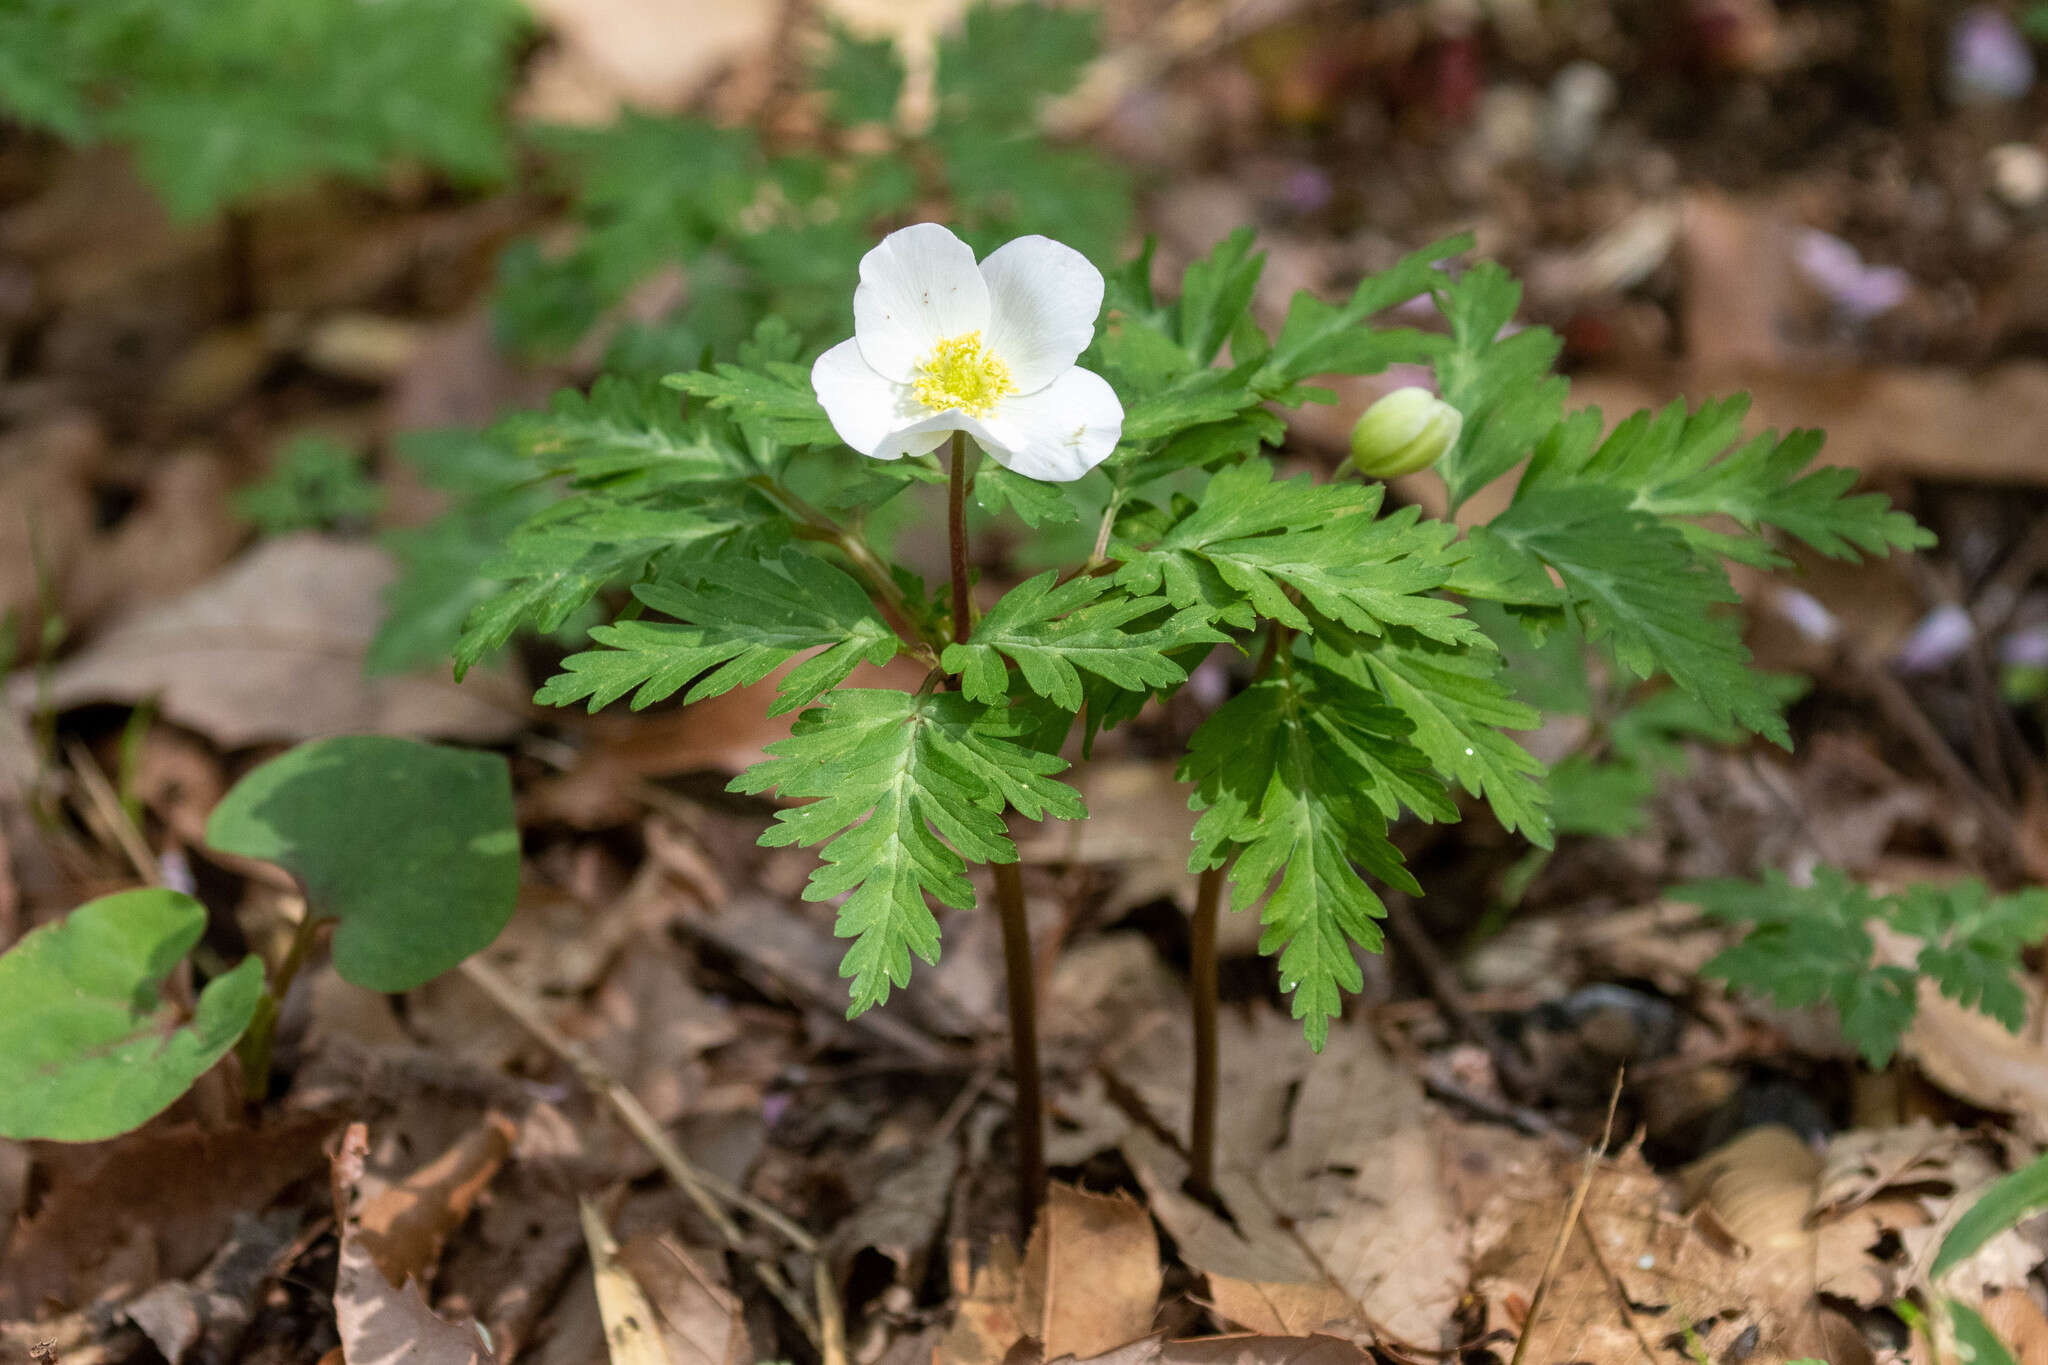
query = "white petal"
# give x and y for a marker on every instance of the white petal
(1043, 298)
(916, 288)
(1059, 433)
(913, 440)
(865, 408)
(928, 430)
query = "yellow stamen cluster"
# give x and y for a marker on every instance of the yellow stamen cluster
(961, 373)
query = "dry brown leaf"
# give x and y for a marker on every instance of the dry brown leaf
(403, 1228)
(902, 1217)
(215, 1306)
(701, 1321)
(158, 1200)
(1863, 1162)
(1091, 1272)
(2007, 1259)
(271, 650)
(1088, 1284)
(1656, 1272)
(986, 1324)
(1846, 1246)
(1282, 1310)
(382, 1323)
(1971, 1056)
(1348, 1209)
(1758, 1188)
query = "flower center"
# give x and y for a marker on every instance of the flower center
(961, 373)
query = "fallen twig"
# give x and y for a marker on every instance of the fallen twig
(709, 1193)
(1571, 1221)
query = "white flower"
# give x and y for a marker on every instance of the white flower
(942, 345)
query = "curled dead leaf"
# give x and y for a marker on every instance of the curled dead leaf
(1759, 1188)
(386, 1323)
(404, 1227)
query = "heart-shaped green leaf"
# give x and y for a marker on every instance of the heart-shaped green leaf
(411, 847)
(88, 1046)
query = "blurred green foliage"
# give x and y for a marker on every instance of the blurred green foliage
(318, 484)
(225, 100)
(779, 233)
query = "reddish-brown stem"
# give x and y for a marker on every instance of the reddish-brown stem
(1018, 967)
(1023, 991)
(1202, 993)
(1202, 985)
(956, 529)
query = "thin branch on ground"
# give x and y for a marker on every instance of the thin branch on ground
(704, 1190)
(1571, 1221)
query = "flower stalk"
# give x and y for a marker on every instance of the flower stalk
(956, 540)
(1203, 983)
(1020, 974)
(1019, 969)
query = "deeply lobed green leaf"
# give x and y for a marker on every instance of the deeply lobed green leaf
(1461, 713)
(1054, 633)
(1296, 778)
(740, 621)
(905, 788)
(1251, 543)
(1637, 587)
(1687, 464)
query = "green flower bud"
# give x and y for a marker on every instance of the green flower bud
(1407, 430)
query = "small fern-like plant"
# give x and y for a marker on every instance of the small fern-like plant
(1835, 942)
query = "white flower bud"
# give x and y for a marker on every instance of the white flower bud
(1407, 430)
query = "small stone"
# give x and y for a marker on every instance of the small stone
(2019, 174)
(1580, 97)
